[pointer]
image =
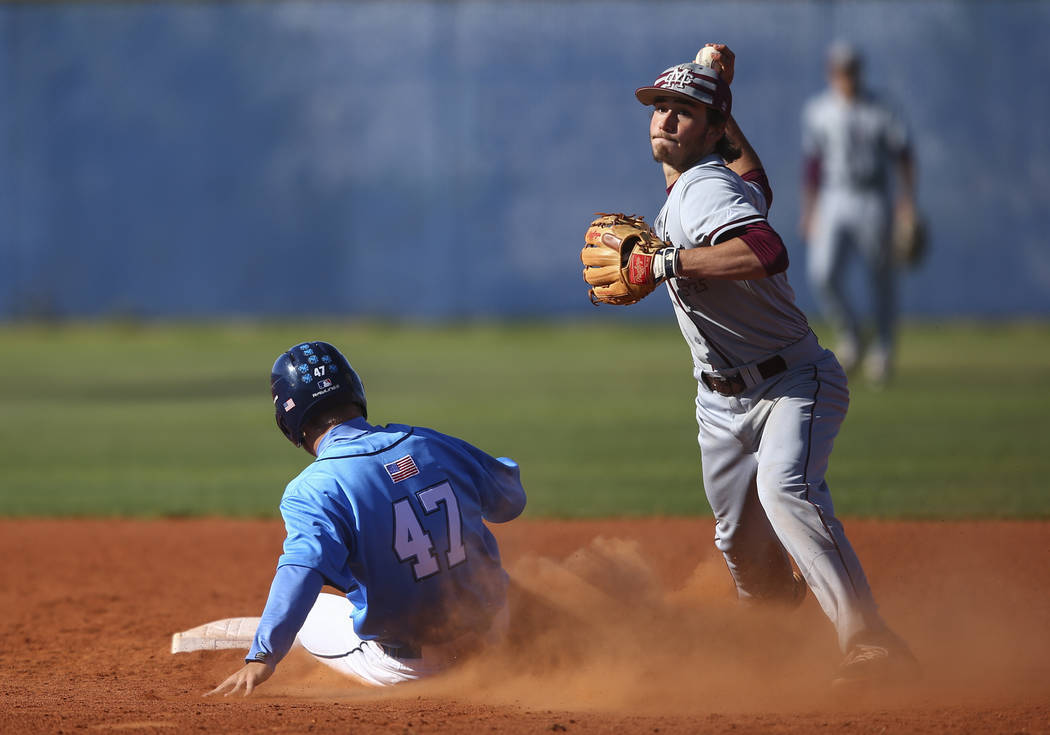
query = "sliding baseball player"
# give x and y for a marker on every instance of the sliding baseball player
(391, 516)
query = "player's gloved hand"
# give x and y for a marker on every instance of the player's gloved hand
(624, 260)
(249, 676)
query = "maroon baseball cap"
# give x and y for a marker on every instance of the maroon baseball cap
(692, 81)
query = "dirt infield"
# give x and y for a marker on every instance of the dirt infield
(630, 626)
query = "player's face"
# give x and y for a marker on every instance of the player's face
(679, 133)
(845, 80)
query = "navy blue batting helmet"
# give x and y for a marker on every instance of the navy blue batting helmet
(308, 376)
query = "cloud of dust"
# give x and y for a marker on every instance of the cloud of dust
(598, 630)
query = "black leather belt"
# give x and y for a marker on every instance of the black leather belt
(401, 651)
(735, 385)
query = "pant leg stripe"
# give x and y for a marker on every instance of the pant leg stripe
(334, 655)
(805, 479)
(809, 439)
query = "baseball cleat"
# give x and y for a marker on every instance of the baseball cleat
(876, 665)
(877, 368)
(848, 354)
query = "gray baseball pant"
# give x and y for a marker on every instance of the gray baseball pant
(850, 224)
(765, 455)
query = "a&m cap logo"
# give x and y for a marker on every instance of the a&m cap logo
(680, 77)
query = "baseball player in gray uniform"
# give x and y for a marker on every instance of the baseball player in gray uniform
(852, 142)
(770, 399)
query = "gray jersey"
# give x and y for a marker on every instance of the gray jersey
(726, 323)
(854, 140)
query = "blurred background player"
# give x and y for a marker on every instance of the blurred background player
(770, 399)
(852, 142)
(390, 515)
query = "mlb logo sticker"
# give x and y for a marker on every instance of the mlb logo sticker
(326, 383)
(402, 469)
(289, 405)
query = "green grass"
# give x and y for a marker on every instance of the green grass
(176, 419)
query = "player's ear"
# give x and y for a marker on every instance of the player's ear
(715, 133)
(716, 126)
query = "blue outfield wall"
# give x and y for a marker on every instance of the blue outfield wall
(429, 160)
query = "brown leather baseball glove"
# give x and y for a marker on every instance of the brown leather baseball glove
(910, 239)
(618, 256)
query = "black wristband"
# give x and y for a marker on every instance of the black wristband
(665, 264)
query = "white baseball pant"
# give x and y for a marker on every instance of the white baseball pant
(848, 224)
(328, 635)
(765, 454)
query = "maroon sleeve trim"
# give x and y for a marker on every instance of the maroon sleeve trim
(758, 176)
(721, 233)
(766, 244)
(812, 172)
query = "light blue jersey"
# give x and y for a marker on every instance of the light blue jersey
(392, 516)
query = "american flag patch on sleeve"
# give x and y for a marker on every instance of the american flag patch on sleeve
(402, 469)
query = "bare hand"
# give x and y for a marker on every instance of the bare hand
(249, 676)
(726, 61)
(805, 226)
(904, 210)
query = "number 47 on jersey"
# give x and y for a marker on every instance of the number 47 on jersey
(413, 544)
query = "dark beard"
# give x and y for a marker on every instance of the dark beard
(682, 168)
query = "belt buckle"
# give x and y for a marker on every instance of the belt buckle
(772, 367)
(723, 386)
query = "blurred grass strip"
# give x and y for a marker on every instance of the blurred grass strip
(175, 419)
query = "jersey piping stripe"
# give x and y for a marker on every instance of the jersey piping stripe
(710, 342)
(713, 237)
(674, 295)
(805, 479)
(368, 454)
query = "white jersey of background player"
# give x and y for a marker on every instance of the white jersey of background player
(852, 144)
(770, 399)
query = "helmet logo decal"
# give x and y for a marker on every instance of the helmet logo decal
(306, 378)
(325, 386)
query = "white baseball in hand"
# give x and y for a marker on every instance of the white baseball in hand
(706, 56)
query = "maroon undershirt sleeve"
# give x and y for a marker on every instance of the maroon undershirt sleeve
(811, 172)
(758, 176)
(765, 243)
